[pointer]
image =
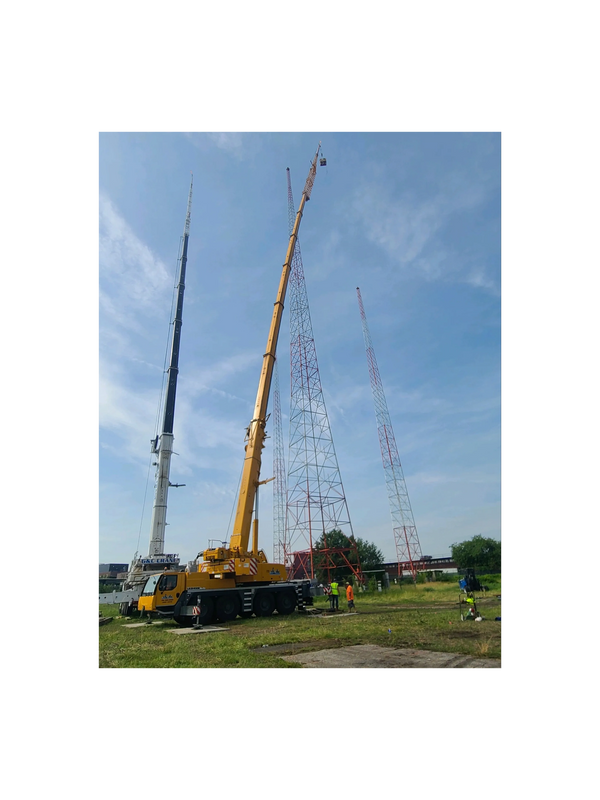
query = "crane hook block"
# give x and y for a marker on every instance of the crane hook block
(323, 162)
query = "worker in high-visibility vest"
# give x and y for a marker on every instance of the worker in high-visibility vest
(350, 596)
(335, 595)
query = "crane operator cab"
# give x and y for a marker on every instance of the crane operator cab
(162, 591)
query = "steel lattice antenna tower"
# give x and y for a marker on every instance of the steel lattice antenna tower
(316, 503)
(279, 487)
(408, 547)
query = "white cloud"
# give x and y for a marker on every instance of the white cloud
(207, 379)
(128, 413)
(227, 141)
(408, 229)
(480, 279)
(234, 141)
(401, 228)
(132, 276)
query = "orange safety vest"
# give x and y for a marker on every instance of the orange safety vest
(349, 593)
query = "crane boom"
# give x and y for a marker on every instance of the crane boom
(255, 434)
(163, 444)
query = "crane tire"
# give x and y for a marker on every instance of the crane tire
(264, 604)
(286, 602)
(228, 607)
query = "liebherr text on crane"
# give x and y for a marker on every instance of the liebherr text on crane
(238, 580)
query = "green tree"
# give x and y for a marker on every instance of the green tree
(478, 553)
(370, 555)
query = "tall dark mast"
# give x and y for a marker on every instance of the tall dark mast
(163, 444)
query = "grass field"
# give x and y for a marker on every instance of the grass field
(425, 617)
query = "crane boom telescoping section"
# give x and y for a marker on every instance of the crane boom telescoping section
(256, 430)
(232, 581)
(163, 445)
(238, 544)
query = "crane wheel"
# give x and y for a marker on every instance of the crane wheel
(264, 604)
(286, 602)
(228, 607)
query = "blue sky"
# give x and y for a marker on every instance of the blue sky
(412, 219)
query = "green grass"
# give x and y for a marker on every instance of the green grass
(425, 616)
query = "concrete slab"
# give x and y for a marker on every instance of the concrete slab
(372, 655)
(209, 629)
(144, 624)
(334, 615)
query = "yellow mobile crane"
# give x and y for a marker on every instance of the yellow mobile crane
(234, 580)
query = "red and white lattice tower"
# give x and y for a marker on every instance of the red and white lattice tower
(316, 503)
(408, 547)
(279, 486)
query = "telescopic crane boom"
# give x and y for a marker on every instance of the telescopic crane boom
(255, 434)
(162, 445)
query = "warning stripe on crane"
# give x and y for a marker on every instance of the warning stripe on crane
(253, 566)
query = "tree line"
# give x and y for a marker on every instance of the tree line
(479, 553)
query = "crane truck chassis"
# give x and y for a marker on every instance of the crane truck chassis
(177, 595)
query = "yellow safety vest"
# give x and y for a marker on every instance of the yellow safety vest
(334, 588)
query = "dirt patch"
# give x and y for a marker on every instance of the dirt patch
(372, 655)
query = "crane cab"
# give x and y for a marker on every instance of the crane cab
(162, 591)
